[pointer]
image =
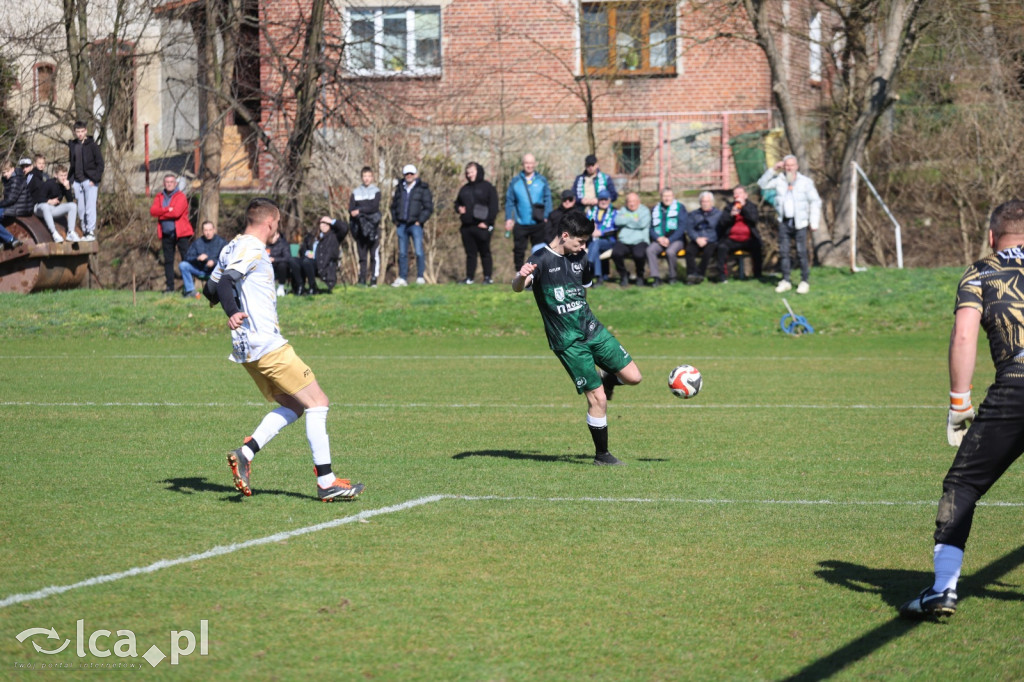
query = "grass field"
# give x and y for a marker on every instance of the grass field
(764, 530)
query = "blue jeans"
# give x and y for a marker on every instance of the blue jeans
(594, 251)
(403, 249)
(788, 232)
(85, 197)
(188, 272)
(5, 236)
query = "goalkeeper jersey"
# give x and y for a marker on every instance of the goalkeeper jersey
(559, 286)
(994, 286)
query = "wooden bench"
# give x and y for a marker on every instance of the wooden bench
(739, 254)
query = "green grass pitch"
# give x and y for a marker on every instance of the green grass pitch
(765, 530)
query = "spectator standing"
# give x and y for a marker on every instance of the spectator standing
(411, 206)
(668, 233)
(527, 207)
(554, 224)
(201, 258)
(701, 236)
(280, 254)
(318, 257)
(591, 182)
(54, 199)
(364, 210)
(170, 208)
(797, 207)
(603, 238)
(477, 206)
(85, 166)
(633, 224)
(738, 230)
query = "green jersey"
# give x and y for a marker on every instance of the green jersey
(559, 285)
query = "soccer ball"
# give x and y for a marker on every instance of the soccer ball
(685, 381)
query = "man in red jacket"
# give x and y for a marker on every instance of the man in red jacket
(170, 208)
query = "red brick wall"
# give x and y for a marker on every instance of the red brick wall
(514, 63)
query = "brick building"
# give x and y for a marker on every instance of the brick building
(651, 83)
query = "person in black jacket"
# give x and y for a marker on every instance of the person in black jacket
(738, 230)
(280, 254)
(11, 193)
(318, 257)
(477, 206)
(411, 206)
(554, 225)
(364, 209)
(17, 197)
(85, 167)
(53, 199)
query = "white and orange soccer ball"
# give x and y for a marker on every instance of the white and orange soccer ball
(685, 381)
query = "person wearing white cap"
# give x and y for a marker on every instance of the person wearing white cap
(411, 206)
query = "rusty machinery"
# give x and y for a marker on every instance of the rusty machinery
(40, 264)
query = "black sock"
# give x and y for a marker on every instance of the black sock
(251, 443)
(322, 469)
(600, 436)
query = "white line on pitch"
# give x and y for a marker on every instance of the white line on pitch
(490, 406)
(216, 551)
(221, 550)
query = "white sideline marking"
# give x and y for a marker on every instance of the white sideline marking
(284, 535)
(216, 551)
(679, 404)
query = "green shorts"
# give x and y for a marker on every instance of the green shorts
(579, 359)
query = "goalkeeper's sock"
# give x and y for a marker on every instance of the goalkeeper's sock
(268, 428)
(316, 434)
(324, 475)
(599, 432)
(948, 560)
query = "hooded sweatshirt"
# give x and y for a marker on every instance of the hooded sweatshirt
(479, 194)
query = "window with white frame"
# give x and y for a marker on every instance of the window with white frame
(394, 40)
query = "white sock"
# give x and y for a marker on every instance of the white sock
(596, 422)
(948, 560)
(319, 444)
(270, 427)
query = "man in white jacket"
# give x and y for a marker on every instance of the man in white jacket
(798, 207)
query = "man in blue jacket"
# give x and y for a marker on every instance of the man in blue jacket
(201, 258)
(411, 205)
(701, 236)
(527, 207)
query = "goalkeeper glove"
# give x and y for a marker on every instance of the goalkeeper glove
(961, 414)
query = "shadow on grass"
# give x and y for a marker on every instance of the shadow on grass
(530, 456)
(198, 484)
(895, 587)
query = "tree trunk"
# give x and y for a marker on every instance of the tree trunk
(300, 141)
(216, 31)
(76, 34)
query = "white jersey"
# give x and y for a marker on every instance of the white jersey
(256, 293)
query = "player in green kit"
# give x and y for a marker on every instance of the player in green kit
(560, 275)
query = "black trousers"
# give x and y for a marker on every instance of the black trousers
(368, 251)
(282, 271)
(706, 254)
(727, 246)
(521, 234)
(477, 242)
(170, 243)
(994, 441)
(303, 274)
(638, 252)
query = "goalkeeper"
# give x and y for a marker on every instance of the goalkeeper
(990, 296)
